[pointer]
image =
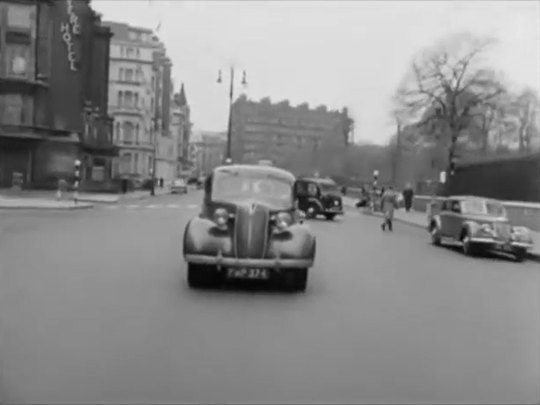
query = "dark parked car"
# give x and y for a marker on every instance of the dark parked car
(477, 224)
(249, 228)
(317, 196)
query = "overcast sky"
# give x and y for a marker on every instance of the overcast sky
(350, 53)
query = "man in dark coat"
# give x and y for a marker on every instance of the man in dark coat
(408, 195)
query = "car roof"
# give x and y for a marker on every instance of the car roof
(275, 171)
(473, 197)
(318, 180)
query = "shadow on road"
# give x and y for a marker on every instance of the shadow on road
(483, 255)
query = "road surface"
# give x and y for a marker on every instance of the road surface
(94, 308)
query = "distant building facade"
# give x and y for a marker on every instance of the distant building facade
(181, 123)
(296, 138)
(53, 92)
(207, 151)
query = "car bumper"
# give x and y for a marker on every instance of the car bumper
(502, 245)
(333, 211)
(253, 263)
(178, 189)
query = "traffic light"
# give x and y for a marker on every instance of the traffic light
(77, 179)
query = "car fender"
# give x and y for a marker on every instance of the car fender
(471, 227)
(297, 242)
(316, 202)
(201, 236)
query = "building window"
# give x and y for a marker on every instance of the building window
(137, 133)
(128, 99)
(117, 131)
(129, 54)
(136, 100)
(120, 98)
(16, 109)
(136, 163)
(138, 76)
(150, 164)
(20, 16)
(138, 53)
(129, 75)
(132, 35)
(18, 60)
(128, 132)
(121, 74)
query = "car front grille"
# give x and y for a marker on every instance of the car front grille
(504, 230)
(251, 231)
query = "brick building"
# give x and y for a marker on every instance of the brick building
(53, 92)
(207, 150)
(300, 139)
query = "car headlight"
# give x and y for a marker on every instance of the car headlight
(520, 232)
(486, 228)
(283, 220)
(221, 218)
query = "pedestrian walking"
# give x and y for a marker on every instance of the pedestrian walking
(408, 195)
(389, 204)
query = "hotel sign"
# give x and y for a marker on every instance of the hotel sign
(69, 29)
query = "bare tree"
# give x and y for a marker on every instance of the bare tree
(445, 85)
(526, 108)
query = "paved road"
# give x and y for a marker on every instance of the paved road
(94, 309)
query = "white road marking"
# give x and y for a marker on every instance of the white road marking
(132, 206)
(192, 206)
(153, 206)
(174, 206)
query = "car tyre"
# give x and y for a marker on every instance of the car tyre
(435, 233)
(201, 276)
(520, 254)
(296, 280)
(330, 217)
(468, 247)
(312, 211)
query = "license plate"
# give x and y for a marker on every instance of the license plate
(249, 274)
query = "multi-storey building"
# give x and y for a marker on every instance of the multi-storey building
(297, 138)
(53, 92)
(182, 127)
(166, 142)
(141, 93)
(132, 98)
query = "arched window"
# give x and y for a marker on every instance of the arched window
(128, 132)
(120, 98)
(137, 133)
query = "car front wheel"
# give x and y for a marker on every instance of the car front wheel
(435, 235)
(469, 248)
(520, 254)
(312, 211)
(202, 276)
(296, 279)
(330, 217)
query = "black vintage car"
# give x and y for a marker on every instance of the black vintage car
(249, 228)
(318, 196)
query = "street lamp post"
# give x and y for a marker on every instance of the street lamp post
(228, 155)
(154, 153)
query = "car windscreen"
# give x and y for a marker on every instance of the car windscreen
(329, 188)
(482, 207)
(237, 186)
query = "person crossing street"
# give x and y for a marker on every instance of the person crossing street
(388, 203)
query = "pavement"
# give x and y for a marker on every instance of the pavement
(419, 220)
(48, 199)
(94, 308)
